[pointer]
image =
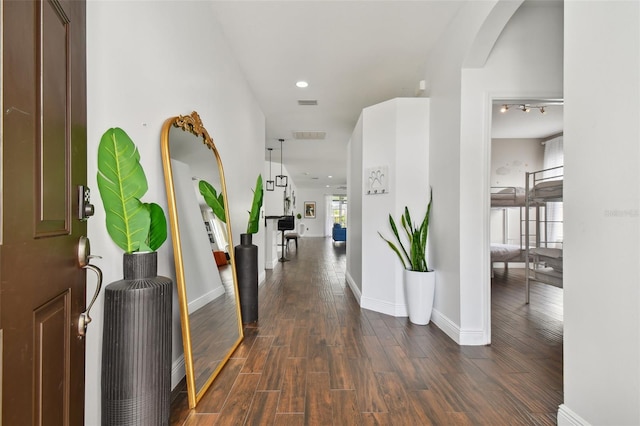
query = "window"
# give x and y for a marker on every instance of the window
(339, 209)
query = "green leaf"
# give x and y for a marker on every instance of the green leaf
(213, 200)
(256, 205)
(417, 240)
(394, 248)
(158, 228)
(394, 228)
(122, 182)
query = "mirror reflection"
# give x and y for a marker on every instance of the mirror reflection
(205, 272)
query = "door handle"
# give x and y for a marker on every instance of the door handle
(85, 318)
(84, 257)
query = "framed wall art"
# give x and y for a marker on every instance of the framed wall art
(310, 209)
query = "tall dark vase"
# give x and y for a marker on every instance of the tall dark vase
(136, 345)
(246, 255)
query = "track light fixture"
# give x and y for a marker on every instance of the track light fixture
(523, 107)
(269, 183)
(281, 179)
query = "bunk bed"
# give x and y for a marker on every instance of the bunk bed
(543, 256)
(504, 198)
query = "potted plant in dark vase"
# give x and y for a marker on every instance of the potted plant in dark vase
(419, 280)
(136, 348)
(246, 257)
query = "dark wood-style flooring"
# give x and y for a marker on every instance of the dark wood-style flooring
(316, 358)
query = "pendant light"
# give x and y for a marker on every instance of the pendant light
(269, 183)
(281, 180)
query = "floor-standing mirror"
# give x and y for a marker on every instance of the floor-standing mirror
(203, 250)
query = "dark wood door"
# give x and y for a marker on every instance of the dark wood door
(42, 287)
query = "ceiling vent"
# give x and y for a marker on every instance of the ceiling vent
(309, 135)
(308, 102)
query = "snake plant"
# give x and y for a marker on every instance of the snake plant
(133, 225)
(416, 258)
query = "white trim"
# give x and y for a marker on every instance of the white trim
(198, 303)
(449, 327)
(566, 417)
(272, 264)
(384, 307)
(473, 338)
(353, 286)
(177, 371)
(262, 277)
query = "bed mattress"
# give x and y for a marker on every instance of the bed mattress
(508, 197)
(506, 253)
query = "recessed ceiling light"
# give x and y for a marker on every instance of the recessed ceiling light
(329, 176)
(302, 84)
(328, 186)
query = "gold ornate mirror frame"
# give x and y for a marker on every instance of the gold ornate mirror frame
(197, 385)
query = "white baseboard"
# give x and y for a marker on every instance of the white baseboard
(177, 371)
(453, 330)
(353, 286)
(262, 277)
(473, 338)
(449, 327)
(384, 307)
(198, 303)
(566, 417)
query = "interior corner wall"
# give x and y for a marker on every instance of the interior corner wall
(137, 77)
(395, 135)
(354, 218)
(601, 214)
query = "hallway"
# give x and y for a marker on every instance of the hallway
(316, 358)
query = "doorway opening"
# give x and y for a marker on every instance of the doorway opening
(525, 225)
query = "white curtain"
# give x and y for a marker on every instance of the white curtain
(553, 157)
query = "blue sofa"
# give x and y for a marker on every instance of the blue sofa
(339, 233)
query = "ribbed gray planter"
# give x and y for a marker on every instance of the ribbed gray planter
(136, 345)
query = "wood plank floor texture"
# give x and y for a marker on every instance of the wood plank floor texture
(316, 358)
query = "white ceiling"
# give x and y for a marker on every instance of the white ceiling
(353, 54)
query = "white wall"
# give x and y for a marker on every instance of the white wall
(602, 214)
(444, 89)
(510, 160)
(139, 74)
(524, 62)
(274, 200)
(520, 65)
(355, 174)
(315, 227)
(395, 134)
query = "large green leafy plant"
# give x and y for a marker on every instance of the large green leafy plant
(213, 199)
(133, 225)
(256, 205)
(416, 258)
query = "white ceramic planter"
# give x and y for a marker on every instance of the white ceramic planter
(419, 291)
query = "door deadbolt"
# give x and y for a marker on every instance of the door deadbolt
(85, 208)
